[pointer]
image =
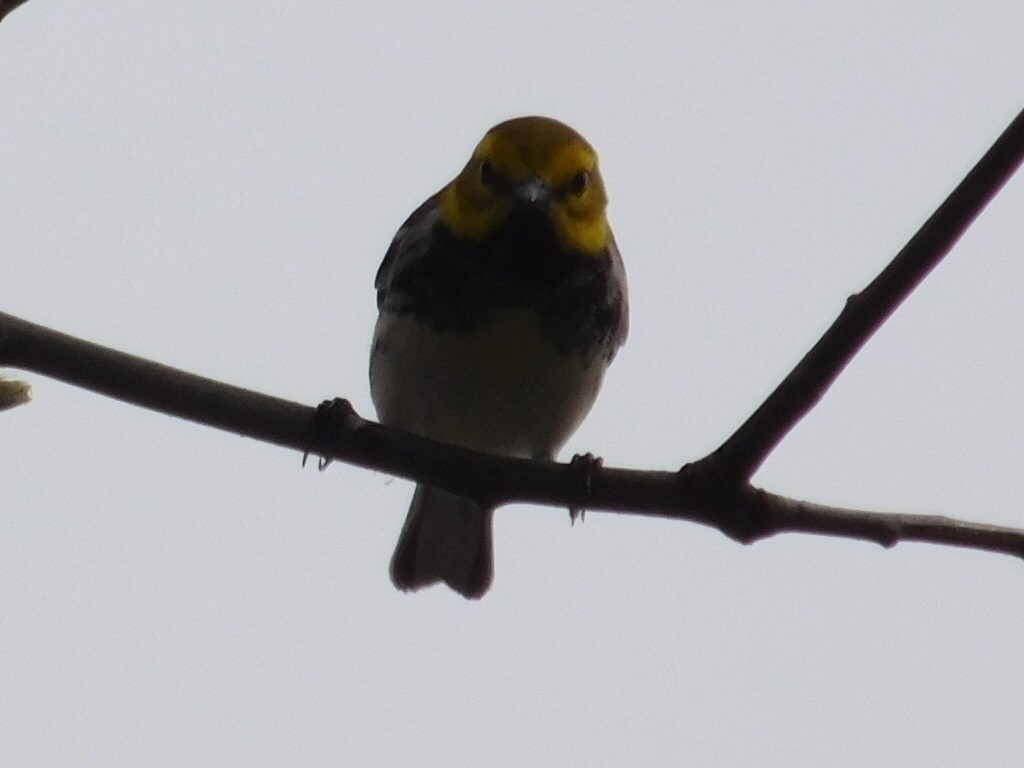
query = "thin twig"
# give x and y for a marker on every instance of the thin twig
(742, 454)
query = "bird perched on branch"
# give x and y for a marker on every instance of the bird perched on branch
(502, 301)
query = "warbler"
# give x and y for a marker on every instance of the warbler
(502, 301)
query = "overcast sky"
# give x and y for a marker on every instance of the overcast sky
(213, 187)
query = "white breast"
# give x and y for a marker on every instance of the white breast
(502, 388)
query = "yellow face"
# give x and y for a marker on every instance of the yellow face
(533, 161)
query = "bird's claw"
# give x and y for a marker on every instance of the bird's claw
(584, 464)
(330, 415)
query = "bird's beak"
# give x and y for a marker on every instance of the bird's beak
(533, 193)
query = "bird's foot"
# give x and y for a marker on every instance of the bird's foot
(330, 417)
(584, 465)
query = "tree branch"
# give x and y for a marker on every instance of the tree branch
(695, 493)
(714, 491)
(742, 454)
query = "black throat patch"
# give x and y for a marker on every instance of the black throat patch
(452, 283)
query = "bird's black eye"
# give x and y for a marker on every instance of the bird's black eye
(488, 176)
(579, 183)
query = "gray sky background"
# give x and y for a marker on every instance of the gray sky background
(214, 186)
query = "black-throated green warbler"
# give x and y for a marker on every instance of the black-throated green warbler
(502, 301)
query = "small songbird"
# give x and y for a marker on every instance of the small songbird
(502, 301)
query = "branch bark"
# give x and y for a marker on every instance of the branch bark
(744, 452)
(714, 491)
(697, 492)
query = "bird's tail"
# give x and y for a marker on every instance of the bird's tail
(445, 538)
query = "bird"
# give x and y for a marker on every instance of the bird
(502, 300)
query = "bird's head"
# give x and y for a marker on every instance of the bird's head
(530, 168)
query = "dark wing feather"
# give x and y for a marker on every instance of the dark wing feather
(617, 299)
(409, 245)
